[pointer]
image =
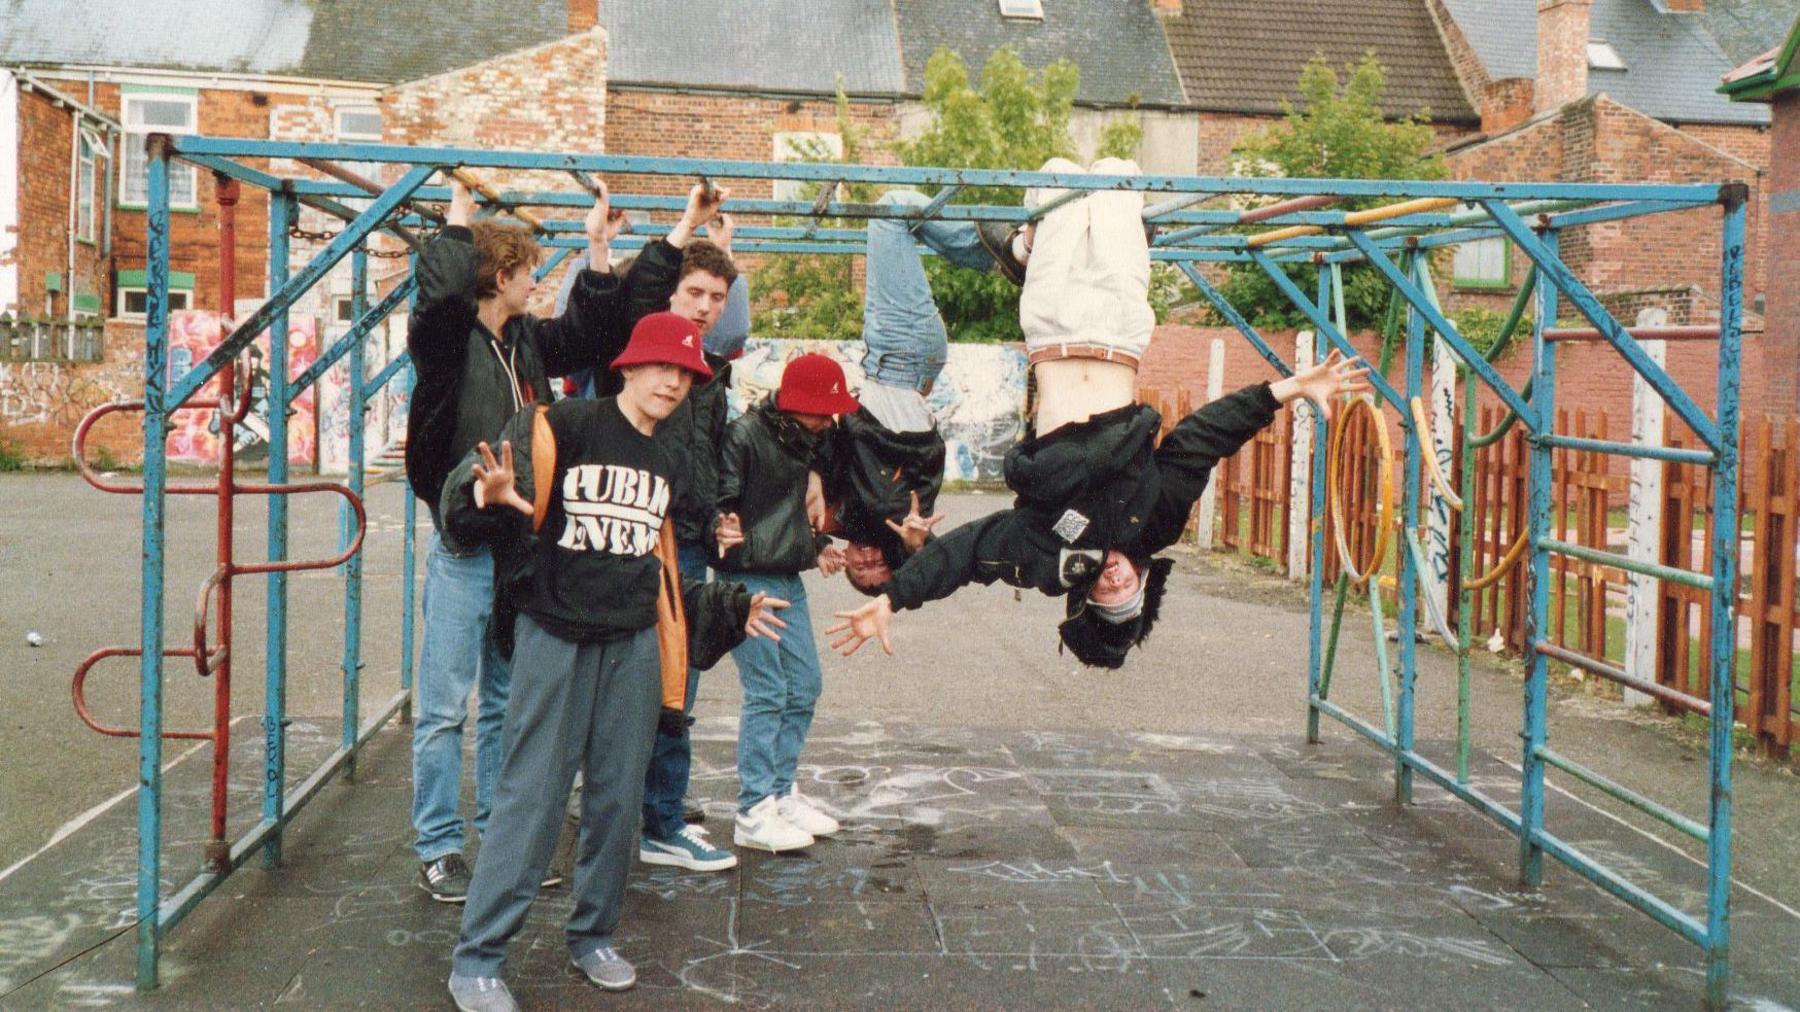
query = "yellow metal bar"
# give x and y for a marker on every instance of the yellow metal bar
(1358, 218)
(473, 182)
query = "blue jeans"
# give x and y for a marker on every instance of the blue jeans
(455, 657)
(902, 330)
(781, 683)
(666, 780)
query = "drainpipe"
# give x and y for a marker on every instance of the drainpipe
(74, 203)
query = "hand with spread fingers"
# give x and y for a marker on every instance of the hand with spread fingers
(1336, 376)
(494, 480)
(763, 621)
(831, 560)
(871, 621)
(915, 530)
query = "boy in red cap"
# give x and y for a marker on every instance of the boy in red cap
(763, 468)
(577, 503)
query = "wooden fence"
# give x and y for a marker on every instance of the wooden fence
(1586, 599)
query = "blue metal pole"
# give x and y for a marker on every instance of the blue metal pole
(408, 542)
(281, 210)
(1316, 538)
(1724, 601)
(1236, 319)
(353, 570)
(1537, 619)
(150, 627)
(1407, 620)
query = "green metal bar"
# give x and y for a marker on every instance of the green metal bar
(1337, 621)
(1383, 672)
(1686, 578)
(1623, 793)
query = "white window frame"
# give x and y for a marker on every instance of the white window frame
(1473, 267)
(1022, 10)
(186, 294)
(136, 163)
(86, 228)
(798, 146)
(368, 170)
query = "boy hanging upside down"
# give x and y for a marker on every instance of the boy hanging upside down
(1097, 497)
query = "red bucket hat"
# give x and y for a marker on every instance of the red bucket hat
(814, 384)
(668, 339)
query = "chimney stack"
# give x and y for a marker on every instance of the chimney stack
(583, 15)
(1562, 59)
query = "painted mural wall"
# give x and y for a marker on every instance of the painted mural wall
(194, 435)
(979, 400)
(384, 427)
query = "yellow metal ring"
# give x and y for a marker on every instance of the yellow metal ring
(1384, 470)
(1428, 450)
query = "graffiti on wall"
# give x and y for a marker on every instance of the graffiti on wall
(384, 426)
(55, 393)
(194, 435)
(979, 399)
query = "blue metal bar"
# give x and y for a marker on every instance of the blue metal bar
(387, 373)
(288, 290)
(1609, 786)
(1723, 649)
(1613, 212)
(189, 896)
(408, 542)
(938, 202)
(150, 627)
(1624, 889)
(1687, 578)
(236, 170)
(1584, 301)
(1323, 325)
(1315, 506)
(353, 569)
(1431, 771)
(1422, 306)
(551, 263)
(1236, 319)
(1537, 615)
(1683, 456)
(281, 211)
(359, 330)
(1410, 573)
(919, 176)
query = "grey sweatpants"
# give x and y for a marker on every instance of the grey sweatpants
(574, 706)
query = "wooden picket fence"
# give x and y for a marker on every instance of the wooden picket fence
(1586, 599)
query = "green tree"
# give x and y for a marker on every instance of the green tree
(1014, 119)
(1337, 131)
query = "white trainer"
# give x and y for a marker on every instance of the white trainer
(763, 828)
(794, 807)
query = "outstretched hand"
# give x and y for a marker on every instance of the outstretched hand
(763, 621)
(494, 480)
(831, 560)
(1322, 383)
(915, 529)
(858, 627)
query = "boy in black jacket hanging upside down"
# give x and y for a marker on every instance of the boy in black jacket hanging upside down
(604, 635)
(1096, 496)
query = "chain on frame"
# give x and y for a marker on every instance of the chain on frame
(311, 235)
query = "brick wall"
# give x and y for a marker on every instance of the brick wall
(1562, 66)
(45, 188)
(1782, 341)
(548, 98)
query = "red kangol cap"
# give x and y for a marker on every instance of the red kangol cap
(667, 339)
(814, 385)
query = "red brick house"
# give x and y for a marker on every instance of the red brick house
(1774, 78)
(77, 94)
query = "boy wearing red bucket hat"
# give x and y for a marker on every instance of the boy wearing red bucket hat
(763, 468)
(576, 507)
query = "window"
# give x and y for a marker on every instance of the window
(134, 293)
(360, 125)
(1484, 263)
(804, 146)
(134, 303)
(1602, 56)
(343, 310)
(1033, 9)
(165, 112)
(84, 186)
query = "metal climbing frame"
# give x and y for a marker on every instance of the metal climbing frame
(1305, 225)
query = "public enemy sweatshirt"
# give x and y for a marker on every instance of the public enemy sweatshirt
(590, 572)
